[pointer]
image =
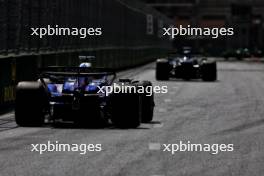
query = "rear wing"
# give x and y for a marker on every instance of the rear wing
(75, 71)
(178, 55)
(55, 72)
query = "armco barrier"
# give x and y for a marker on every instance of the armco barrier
(128, 39)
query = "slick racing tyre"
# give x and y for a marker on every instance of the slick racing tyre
(126, 109)
(147, 102)
(209, 71)
(162, 69)
(31, 101)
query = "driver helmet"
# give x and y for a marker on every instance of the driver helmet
(85, 64)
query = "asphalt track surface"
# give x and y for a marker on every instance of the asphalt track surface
(229, 111)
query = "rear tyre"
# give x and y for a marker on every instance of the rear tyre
(147, 102)
(209, 71)
(31, 101)
(162, 69)
(126, 109)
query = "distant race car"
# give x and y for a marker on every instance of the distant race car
(186, 66)
(72, 94)
(239, 53)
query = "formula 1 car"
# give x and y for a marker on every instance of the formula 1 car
(239, 54)
(186, 67)
(72, 94)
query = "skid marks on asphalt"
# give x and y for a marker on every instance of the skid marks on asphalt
(7, 124)
(7, 121)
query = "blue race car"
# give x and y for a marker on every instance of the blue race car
(78, 94)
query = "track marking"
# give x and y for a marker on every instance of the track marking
(154, 146)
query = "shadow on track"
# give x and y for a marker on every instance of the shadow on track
(72, 125)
